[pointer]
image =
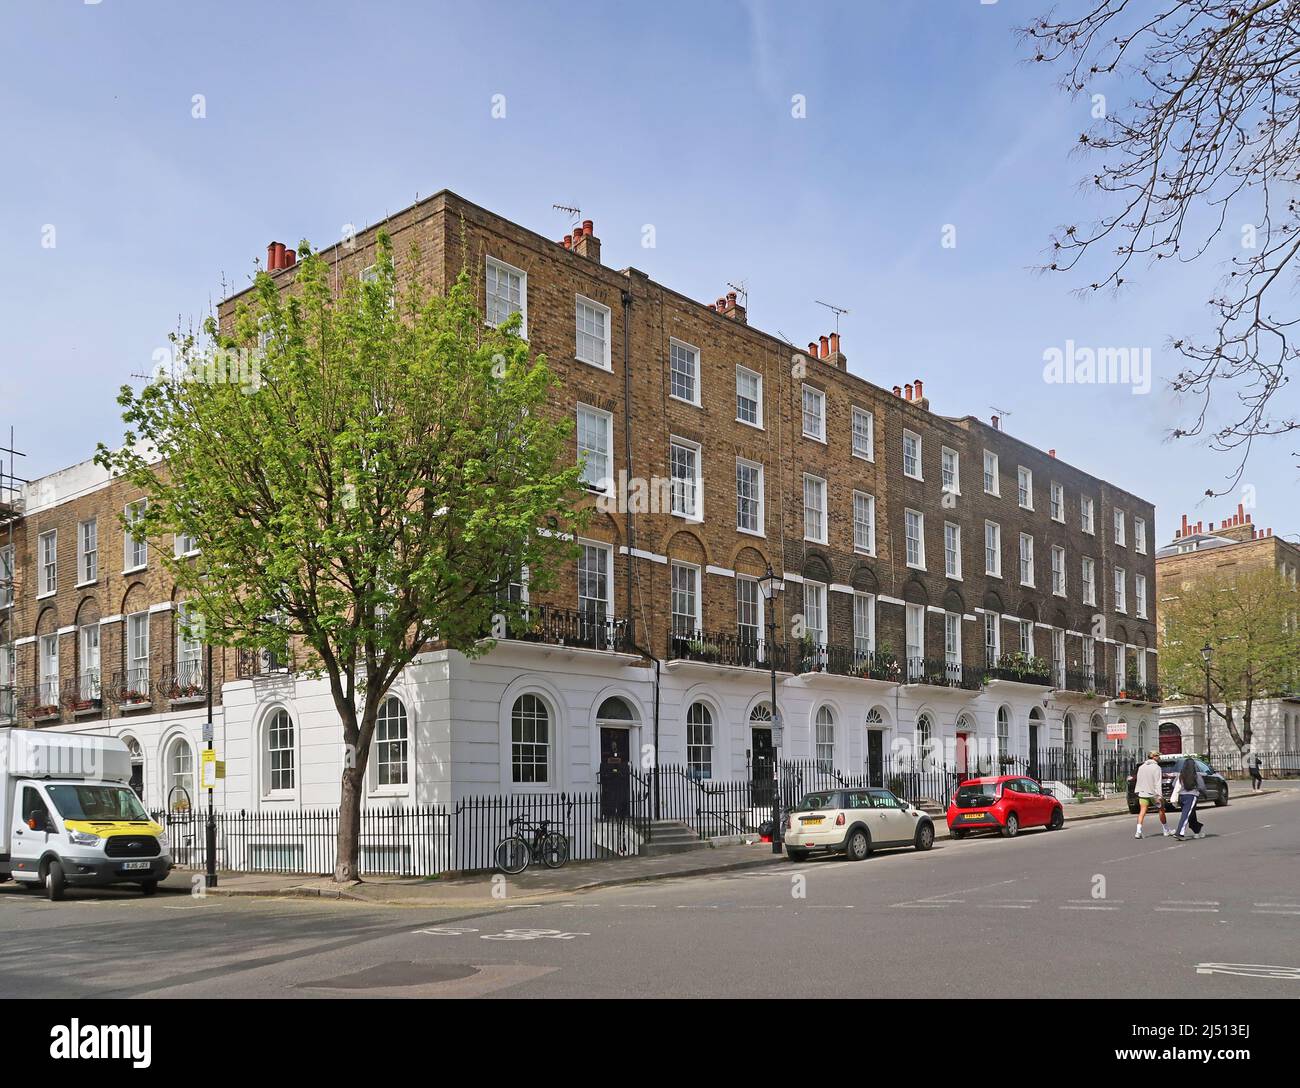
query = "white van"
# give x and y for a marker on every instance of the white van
(68, 815)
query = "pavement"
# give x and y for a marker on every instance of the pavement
(537, 884)
(1084, 911)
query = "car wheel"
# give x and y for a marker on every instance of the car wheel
(1012, 827)
(54, 882)
(954, 833)
(1057, 821)
(924, 836)
(858, 846)
(795, 854)
(149, 887)
(1222, 799)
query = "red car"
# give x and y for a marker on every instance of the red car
(1005, 803)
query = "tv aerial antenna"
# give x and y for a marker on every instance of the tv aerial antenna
(837, 310)
(574, 213)
(741, 290)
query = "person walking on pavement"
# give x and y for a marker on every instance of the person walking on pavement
(1187, 791)
(1255, 765)
(1148, 786)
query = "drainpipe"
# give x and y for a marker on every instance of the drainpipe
(656, 770)
(627, 442)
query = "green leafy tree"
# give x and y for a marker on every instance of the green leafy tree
(1249, 621)
(363, 485)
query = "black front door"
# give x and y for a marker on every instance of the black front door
(614, 773)
(1033, 751)
(761, 764)
(876, 757)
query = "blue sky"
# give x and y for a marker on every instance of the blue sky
(674, 114)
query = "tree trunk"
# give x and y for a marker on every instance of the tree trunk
(349, 843)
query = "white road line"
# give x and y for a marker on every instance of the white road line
(1295, 905)
(938, 906)
(1117, 902)
(1189, 910)
(1004, 906)
(1275, 912)
(1088, 908)
(1191, 902)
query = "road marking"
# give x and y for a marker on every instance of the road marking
(831, 906)
(1275, 912)
(637, 906)
(1249, 970)
(1295, 905)
(531, 935)
(1003, 906)
(1189, 910)
(938, 906)
(1088, 908)
(1191, 902)
(1118, 902)
(697, 906)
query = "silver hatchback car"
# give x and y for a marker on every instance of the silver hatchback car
(853, 822)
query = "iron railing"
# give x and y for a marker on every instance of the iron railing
(727, 648)
(40, 702)
(83, 693)
(1081, 680)
(1021, 669)
(582, 628)
(187, 681)
(133, 688)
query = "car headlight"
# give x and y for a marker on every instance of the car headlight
(83, 838)
(162, 840)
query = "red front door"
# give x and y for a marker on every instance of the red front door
(963, 768)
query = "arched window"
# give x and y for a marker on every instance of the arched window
(826, 738)
(392, 744)
(137, 765)
(1004, 731)
(874, 717)
(761, 715)
(278, 753)
(699, 741)
(1142, 737)
(530, 740)
(1069, 731)
(924, 736)
(179, 763)
(615, 710)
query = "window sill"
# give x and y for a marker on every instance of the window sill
(683, 400)
(135, 570)
(916, 566)
(911, 476)
(864, 457)
(694, 519)
(864, 551)
(954, 577)
(608, 368)
(757, 426)
(813, 540)
(46, 596)
(85, 585)
(815, 438)
(752, 532)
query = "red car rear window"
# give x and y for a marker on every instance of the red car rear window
(978, 794)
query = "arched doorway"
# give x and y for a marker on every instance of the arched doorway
(137, 765)
(615, 719)
(967, 760)
(1035, 724)
(1171, 739)
(762, 753)
(875, 747)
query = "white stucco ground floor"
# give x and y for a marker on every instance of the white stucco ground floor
(537, 718)
(1275, 732)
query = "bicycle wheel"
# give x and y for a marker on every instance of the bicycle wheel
(513, 855)
(554, 850)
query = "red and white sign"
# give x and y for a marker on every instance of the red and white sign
(1116, 730)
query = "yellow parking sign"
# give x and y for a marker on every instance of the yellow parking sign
(212, 768)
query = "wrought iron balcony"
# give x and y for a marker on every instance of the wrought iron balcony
(941, 673)
(40, 702)
(133, 689)
(588, 629)
(252, 663)
(1088, 683)
(1021, 668)
(186, 683)
(727, 648)
(83, 694)
(810, 657)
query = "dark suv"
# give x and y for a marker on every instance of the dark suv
(1216, 786)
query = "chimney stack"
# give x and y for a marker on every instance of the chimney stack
(898, 392)
(290, 258)
(812, 348)
(275, 256)
(1051, 453)
(997, 425)
(734, 309)
(825, 347)
(907, 391)
(585, 242)
(918, 388)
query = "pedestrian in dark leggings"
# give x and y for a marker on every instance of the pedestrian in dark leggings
(1254, 764)
(1188, 787)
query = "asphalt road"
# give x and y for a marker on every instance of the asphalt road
(1086, 911)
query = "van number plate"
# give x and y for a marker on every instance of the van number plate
(137, 865)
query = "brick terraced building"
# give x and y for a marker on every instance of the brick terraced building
(942, 588)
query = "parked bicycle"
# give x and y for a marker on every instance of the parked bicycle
(514, 852)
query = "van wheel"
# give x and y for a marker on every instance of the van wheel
(149, 887)
(54, 882)
(1012, 826)
(858, 846)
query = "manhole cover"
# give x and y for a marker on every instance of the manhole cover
(404, 973)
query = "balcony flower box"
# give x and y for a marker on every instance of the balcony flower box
(130, 697)
(84, 706)
(46, 712)
(183, 693)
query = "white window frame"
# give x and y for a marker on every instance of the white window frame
(818, 487)
(1120, 586)
(996, 570)
(1058, 570)
(48, 557)
(608, 549)
(992, 626)
(696, 594)
(760, 486)
(6, 576)
(87, 552)
(184, 545)
(757, 422)
(1087, 522)
(135, 553)
(1140, 535)
(1117, 516)
(1088, 574)
(607, 419)
(49, 666)
(952, 639)
(696, 482)
(864, 624)
(919, 474)
(908, 515)
(760, 614)
(270, 791)
(539, 710)
(510, 270)
(683, 348)
(952, 550)
(867, 502)
(952, 486)
(818, 397)
(605, 362)
(867, 449)
(1024, 487)
(913, 636)
(1140, 596)
(137, 650)
(991, 471)
(1026, 560)
(403, 745)
(1056, 502)
(814, 608)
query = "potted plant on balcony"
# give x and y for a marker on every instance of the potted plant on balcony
(809, 655)
(700, 648)
(128, 695)
(46, 710)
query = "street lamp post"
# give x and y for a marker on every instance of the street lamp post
(767, 586)
(210, 831)
(1207, 653)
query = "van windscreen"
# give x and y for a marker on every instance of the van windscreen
(97, 803)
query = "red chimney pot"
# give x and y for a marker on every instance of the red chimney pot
(918, 388)
(290, 258)
(826, 346)
(588, 227)
(835, 343)
(907, 391)
(898, 392)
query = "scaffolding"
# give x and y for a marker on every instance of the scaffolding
(11, 512)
